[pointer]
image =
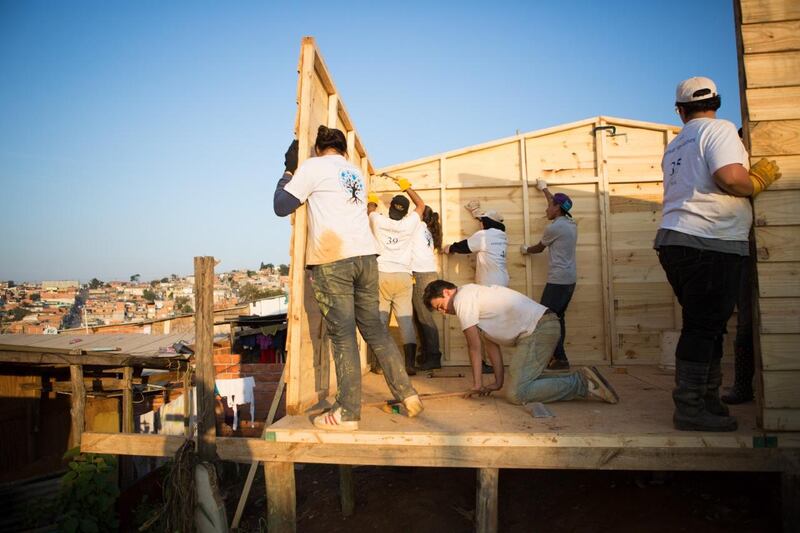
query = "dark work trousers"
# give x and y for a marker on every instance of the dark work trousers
(744, 309)
(347, 294)
(423, 319)
(556, 297)
(706, 284)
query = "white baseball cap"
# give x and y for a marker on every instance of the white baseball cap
(694, 90)
(494, 215)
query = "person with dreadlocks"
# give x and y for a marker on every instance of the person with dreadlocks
(341, 256)
(424, 244)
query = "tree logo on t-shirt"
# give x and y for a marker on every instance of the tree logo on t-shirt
(352, 183)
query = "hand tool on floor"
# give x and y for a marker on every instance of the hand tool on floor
(431, 375)
(426, 397)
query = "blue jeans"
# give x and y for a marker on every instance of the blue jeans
(706, 284)
(347, 294)
(556, 297)
(531, 355)
(426, 325)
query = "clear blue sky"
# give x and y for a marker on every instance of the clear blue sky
(135, 135)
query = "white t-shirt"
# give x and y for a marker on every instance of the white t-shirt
(338, 227)
(561, 237)
(394, 240)
(502, 314)
(693, 203)
(489, 247)
(423, 258)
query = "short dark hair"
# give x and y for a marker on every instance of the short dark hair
(488, 223)
(709, 104)
(435, 289)
(331, 138)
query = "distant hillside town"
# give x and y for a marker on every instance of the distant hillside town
(56, 305)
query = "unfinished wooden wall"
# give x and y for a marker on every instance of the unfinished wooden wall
(611, 168)
(310, 376)
(769, 67)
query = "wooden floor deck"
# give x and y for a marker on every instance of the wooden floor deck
(642, 418)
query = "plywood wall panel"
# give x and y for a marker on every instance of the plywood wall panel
(790, 172)
(771, 37)
(779, 243)
(775, 137)
(775, 103)
(489, 167)
(564, 156)
(780, 351)
(756, 11)
(776, 69)
(777, 208)
(780, 315)
(776, 280)
(781, 390)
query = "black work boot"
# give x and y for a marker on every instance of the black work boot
(411, 352)
(744, 369)
(433, 361)
(711, 398)
(690, 412)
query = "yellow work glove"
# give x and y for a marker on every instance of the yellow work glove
(372, 198)
(403, 183)
(762, 174)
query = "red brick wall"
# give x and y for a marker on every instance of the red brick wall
(228, 365)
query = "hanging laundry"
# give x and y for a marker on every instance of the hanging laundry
(238, 392)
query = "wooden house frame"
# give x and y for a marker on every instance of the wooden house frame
(637, 433)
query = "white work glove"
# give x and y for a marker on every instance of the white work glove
(541, 185)
(474, 207)
(446, 249)
(523, 249)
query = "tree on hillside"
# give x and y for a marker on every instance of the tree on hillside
(35, 297)
(164, 280)
(135, 278)
(149, 295)
(153, 283)
(18, 313)
(284, 270)
(11, 284)
(182, 305)
(251, 273)
(250, 293)
(95, 283)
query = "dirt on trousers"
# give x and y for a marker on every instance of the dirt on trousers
(442, 500)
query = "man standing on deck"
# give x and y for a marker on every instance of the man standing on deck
(561, 238)
(702, 244)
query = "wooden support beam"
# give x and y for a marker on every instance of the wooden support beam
(347, 490)
(526, 216)
(78, 404)
(486, 500)
(127, 400)
(790, 495)
(204, 360)
(281, 497)
(609, 315)
(187, 402)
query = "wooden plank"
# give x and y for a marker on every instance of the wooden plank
(486, 500)
(632, 457)
(777, 208)
(780, 351)
(781, 419)
(127, 400)
(78, 404)
(498, 166)
(774, 69)
(778, 103)
(781, 389)
(780, 315)
(754, 11)
(777, 280)
(38, 358)
(790, 172)
(281, 497)
(609, 316)
(778, 243)
(775, 137)
(204, 359)
(526, 217)
(771, 37)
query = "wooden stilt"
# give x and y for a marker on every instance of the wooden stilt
(346, 489)
(126, 471)
(187, 401)
(78, 403)
(486, 500)
(790, 495)
(281, 497)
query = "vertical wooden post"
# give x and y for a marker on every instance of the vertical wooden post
(486, 500)
(346, 489)
(445, 265)
(204, 361)
(281, 497)
(187, 401)
(604, 190)
(790, 495)
(127, 400)
(78, 403)
(526, 215)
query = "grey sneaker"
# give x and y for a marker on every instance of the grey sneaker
(597, 386)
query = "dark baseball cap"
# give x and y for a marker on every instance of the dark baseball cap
(399, 207)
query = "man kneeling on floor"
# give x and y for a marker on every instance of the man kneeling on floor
(504, 317)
